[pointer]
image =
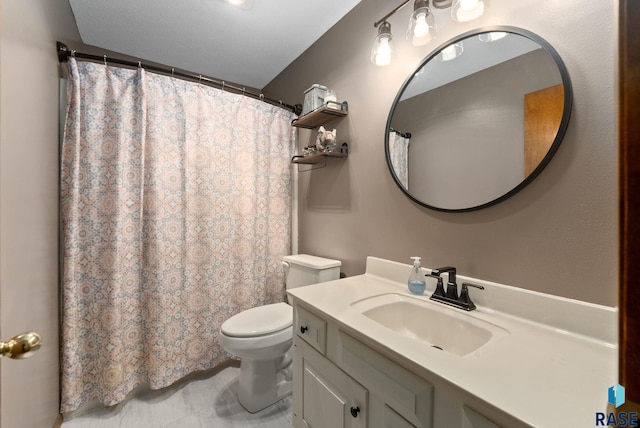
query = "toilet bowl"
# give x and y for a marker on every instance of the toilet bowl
(262, 336)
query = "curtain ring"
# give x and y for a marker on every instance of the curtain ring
(105, 59)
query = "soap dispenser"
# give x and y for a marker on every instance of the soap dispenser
(416, 282)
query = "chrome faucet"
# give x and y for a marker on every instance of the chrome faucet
(451, 297)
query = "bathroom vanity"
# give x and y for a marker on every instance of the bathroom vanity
(367, 353)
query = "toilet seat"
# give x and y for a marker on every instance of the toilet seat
(259, 321)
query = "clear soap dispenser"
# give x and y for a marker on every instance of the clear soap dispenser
(416, 282)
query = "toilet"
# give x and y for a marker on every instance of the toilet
(262, 336)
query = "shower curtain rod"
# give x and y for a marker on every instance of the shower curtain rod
(64, 53)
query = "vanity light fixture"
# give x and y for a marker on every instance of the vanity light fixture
(422, 26)
(382, 51)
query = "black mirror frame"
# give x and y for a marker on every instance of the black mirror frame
(564, 123)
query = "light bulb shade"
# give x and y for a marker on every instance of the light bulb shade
(382, 52)
(492, 36)
(422, 26)
(452, 51)
(468, 10)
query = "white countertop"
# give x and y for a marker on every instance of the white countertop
(553, 368)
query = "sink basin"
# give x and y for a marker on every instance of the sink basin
(436, 325)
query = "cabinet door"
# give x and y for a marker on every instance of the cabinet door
(393, 420)
(408, 399)
(324, 396)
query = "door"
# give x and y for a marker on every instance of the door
(629, 134)
(542, 115)
(21, 346)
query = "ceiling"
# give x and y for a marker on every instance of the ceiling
(248, 45)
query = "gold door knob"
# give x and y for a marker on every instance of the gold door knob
(21, 346)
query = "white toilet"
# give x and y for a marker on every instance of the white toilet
(261, 337)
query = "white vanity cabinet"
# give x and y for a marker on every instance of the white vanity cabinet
(546, 361)
(323, 395)
(339, 381)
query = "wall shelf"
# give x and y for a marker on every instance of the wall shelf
(320, 158)
(317, 158)
(329, 111)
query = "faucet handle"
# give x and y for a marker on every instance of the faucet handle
(439, 287)
(465, 299)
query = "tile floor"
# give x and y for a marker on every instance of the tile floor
(200, 402)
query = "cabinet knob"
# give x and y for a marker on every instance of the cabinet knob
(303, 329)
(355, 411)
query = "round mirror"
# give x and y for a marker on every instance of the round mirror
(478, 120)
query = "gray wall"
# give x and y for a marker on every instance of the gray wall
(558, 236)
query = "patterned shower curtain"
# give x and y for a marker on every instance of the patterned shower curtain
(175, 202)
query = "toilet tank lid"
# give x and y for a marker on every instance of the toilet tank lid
(312, 262)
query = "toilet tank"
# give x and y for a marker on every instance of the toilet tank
(303, 269)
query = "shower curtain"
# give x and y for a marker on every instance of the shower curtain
(175, 206)
(399, 151)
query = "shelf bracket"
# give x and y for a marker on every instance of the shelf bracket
(323, 165)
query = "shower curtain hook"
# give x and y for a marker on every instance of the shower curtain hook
(105, 59)
(243, 90)
(223, 85)
(261, 96)
(199, 78)
(139, 65)
(73, 53)
(172, 71)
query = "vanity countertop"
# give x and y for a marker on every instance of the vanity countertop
(554, 367)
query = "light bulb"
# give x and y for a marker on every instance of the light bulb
(468, 4)
(241, 4)
(451, 52)
(468, 10)
(492, 36)
(383, 57)
(382, 51)
(448, 53)
(422, 28)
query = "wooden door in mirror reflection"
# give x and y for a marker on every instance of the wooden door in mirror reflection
(629, 152)
(542, 115)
